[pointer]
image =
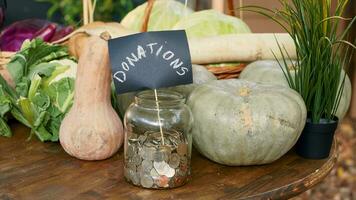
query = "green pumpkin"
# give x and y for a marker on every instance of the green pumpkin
(238, 122)
(269, 71)
(200, 75)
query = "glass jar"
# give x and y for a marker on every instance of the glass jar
(158, 152)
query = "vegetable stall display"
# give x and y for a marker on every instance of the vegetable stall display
(238, 122)
(270, 72)
(92, 130)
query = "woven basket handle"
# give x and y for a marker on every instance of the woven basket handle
(146, 16)
(230, 7)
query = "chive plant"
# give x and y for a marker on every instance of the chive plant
(322, 51)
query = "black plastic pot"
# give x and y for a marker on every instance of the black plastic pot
(316, 140)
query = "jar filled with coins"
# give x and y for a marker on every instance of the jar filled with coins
(158, 141)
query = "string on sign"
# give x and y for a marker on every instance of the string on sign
(159, 116)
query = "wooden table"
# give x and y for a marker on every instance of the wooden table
(33, 170)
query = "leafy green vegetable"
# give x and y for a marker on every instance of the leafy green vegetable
(211, 23)
(44, 89)
(164, 15)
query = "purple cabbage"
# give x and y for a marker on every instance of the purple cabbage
(12, 37)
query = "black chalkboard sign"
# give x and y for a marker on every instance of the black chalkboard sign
(150, 60)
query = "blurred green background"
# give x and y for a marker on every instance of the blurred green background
(67, 12)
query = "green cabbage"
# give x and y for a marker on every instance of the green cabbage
(211, 23)
(165, 14)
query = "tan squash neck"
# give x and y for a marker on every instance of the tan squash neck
(93, 83)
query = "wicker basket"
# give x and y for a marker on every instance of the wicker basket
(5, 57)
(228, 71)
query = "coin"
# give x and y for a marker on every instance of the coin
(148, 153)
(182, 149)
(160, 156)
(130, 151)
(135, 179)
(162, 181)
(142, 138)
(131, 165)
(150, 164)
(174, 160)
(146, 181)
(154, 173)
(184, 160)
(163, 168)
(179, 180)
(136, 159)
(147, 165)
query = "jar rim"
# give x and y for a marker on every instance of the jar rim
(165, 97)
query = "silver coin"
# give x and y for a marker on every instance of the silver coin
(147, 165)
(142, 138)
(139, 169)
(131, 176)
(154, 173)
(159, 156)
(174, 160)
(135, 179)
(163, 168)
(181, 172)
(141, 152)
(136, 159)
(148, 153)
(184, 160)
(146, 181)
(131, 165)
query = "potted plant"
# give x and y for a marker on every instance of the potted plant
(322, 54)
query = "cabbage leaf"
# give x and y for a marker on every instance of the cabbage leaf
(164, 15)
(211, 23)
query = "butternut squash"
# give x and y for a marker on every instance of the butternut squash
(92, 130)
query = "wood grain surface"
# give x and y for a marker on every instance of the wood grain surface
(35, 170)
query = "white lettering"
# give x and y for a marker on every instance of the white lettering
(159, 51)
(141, 52)
(132, 60)
(118, 78)
(184, 70)
(168, 55)
(151, 46)
(176, 63)
(125, 66)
